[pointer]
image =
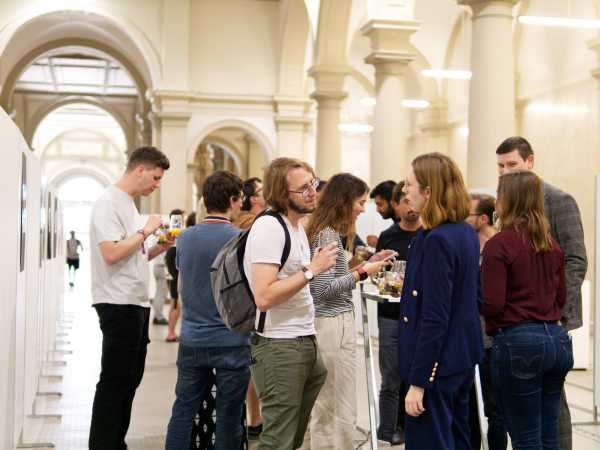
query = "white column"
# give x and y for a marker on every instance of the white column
(492, 89)
(174, 144)
(175, 48)
(329, 95)
(390, 55)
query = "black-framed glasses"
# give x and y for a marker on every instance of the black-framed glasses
(306, 189)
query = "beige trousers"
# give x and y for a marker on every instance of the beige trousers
(334, 415)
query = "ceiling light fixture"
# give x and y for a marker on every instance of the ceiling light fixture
(563, 22)
(407, 103)
(450, 74)
(362, 128)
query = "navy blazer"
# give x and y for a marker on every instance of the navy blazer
(439, 328)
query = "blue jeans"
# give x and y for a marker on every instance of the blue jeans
(496, 433)
(393, 389)
(529, 363)
(231, 365)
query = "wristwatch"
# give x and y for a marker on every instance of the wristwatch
(307, 273)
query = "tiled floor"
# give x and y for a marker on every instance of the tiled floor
(155, 396)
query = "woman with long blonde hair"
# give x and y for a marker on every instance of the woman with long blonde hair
(334, 414)
(523, 273)
(439, 333)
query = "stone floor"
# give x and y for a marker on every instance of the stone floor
(155, 396)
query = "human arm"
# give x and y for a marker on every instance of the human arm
(565, 221)
(114, 251)
(270, 291)
(494, 275)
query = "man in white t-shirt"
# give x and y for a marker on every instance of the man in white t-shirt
(119, 262)
(287, 368)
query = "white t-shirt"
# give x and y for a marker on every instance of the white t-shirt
(114, 218)
(296, 316)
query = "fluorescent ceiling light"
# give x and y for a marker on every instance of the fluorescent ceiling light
(414, 103)
(447, 73)
(564, 22)
(549, 108)
(364, 128)
(407, 103)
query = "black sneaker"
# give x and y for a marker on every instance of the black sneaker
(254, 432)
(395, 439)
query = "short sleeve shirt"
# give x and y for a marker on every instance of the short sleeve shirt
(114, 218)
(295, 316)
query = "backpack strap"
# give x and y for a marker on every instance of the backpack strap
(287, 246)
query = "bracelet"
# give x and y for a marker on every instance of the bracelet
(141, 231)
(362, 274)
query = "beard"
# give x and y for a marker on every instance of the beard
(411, 217)
(299, 209)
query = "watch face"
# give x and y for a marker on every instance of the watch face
(308, 275)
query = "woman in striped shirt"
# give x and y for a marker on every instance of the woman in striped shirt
(334, 414)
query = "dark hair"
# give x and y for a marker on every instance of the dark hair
(486, 205)
(190, 221)
(249, 190)
(150, 157)
(518, 143)
(176, 212)
(335, 207)
(321, 186)
(384, 190)
(397, 193)
(218, 188)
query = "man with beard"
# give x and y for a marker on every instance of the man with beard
(287, 369)
(393, 389)
(382, 194)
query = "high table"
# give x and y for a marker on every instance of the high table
(369, 292)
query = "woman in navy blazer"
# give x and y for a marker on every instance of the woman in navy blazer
(440, 338)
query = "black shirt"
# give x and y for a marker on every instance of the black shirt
(393, 238)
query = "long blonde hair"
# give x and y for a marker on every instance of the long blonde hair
(521, 205)
(448, 199)
(335, 207)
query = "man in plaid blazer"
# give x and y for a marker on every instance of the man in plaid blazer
(515, 153)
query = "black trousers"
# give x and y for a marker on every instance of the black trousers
(124, 341)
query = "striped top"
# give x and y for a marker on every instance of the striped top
(332, 290)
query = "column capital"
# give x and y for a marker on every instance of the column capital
(390, 41)
(434, 119)
(478, 6)
(329, 84)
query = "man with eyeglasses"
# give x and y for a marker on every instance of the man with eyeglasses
(482, 215)
(286, 365)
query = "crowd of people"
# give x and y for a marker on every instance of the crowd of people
(493, 282)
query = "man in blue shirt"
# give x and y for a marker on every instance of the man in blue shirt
(205, 343)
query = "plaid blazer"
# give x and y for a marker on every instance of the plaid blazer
(565, 226)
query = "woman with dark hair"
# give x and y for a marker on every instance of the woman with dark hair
(523, 273)
(334, 414)
(439, 333)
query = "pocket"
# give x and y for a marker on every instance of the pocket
(565, 352)
(526, 361)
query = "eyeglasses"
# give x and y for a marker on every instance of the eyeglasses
(306, 189)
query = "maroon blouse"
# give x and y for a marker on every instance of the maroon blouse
(519, 283)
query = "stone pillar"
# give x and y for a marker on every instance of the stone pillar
(292, 125)
(329, 95)
(433, 126)
(174, 145)
(256, 161)
(391, 52)
(492, 90)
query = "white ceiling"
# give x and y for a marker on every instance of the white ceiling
(75, 73)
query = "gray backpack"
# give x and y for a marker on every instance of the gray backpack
(231, 290)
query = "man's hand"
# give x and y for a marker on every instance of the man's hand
(152, 225)
(324, 259)
(413, 401)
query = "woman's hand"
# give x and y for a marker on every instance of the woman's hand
(374, 267)
(413, 402)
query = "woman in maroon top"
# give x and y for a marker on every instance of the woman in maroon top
(523, 275)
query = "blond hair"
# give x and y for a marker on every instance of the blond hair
(275, 186)
(448, 199)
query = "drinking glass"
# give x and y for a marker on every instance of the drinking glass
(175, 224)
(326, 237)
